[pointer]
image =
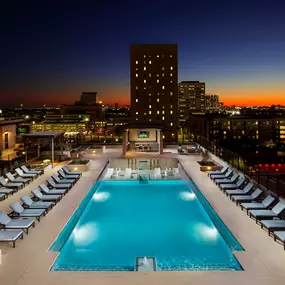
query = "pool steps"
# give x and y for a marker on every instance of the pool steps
(146, 263)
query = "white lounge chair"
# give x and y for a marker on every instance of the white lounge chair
(17, 180)
(23, 175)
(45, 198)
(10, 185)
(11, 236)
(109, 173)
(27, 213)
(29, 203)
(15, 224)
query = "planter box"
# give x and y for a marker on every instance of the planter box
(210, 168)
(79, 167)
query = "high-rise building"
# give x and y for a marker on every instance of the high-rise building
(89, 98)
(154, 85)
(212, 103)
(191, 99)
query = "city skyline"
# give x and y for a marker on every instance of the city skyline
(54, 53)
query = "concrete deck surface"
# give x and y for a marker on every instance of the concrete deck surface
(263, 259)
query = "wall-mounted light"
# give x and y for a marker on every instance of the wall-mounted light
(6, 132)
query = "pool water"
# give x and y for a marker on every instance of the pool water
(124, 220)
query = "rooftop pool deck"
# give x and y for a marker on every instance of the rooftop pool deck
(30, 262)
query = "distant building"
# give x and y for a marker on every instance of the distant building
(71, 124)
(212, 103)
(191, 99)
(89, 98)
(219, 128)
(154, 85)
(94, 111)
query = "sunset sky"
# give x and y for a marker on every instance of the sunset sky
(51, 52)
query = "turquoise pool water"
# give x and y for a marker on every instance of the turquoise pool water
(121, 220)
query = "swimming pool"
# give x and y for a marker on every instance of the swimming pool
(119, 221)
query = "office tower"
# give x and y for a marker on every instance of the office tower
(89, 98)
(191, 99)
(154, 85)
(212, 103)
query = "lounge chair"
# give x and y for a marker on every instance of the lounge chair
(267, 202)
(232, 186)
(7, 192)
(246, 198)
(15, 224)
(243, 191)
(157, 173)
(281, 236)
(11, 236)
(231, 180)
(219, 172)
(52, 184)
(53, 191)
(9, 184)
(273, 225)
(31, 171)
(23, 175)
(21, 212)
(62, 181)
(2, 197)
(67, 171)
(17, 180)
(109, 173)
(45, 198)
(30, 204)
(128, 174)
(68, 176)
(223, 176)
(267, 214)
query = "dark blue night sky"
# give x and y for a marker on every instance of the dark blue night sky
(52, 51)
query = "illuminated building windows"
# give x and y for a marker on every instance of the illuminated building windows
(149, 62)
(157, 112)
(171, 112)
(171, 93)
(171, 67)
(149, 112)
(144, 81)
(157, 80)
(137, 100)
(149, 74)
(157, 99)
(137, 113)
(162, 87)
(149, 106)
(171, 124)
(137, 75)
(144, 68)
(162, 118)
(137, 62)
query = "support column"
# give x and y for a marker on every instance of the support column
(61, 147)
(38, 148)
(125, 142)
(26, 150)
(52, 151)
(160, 141)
